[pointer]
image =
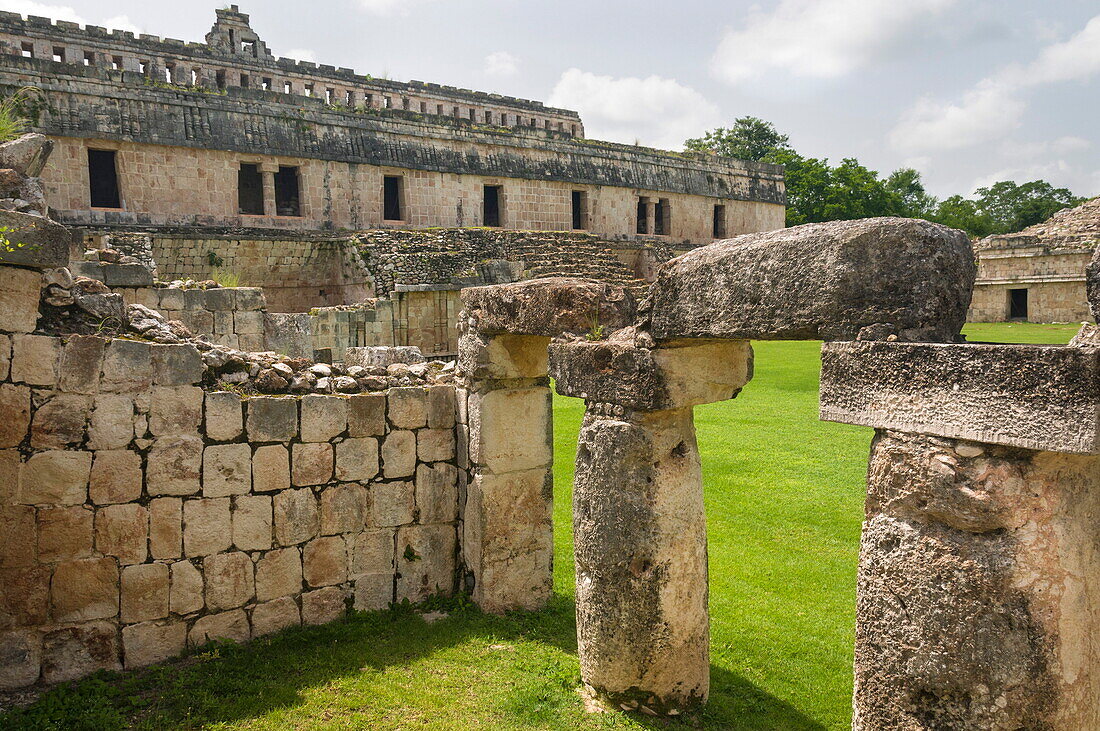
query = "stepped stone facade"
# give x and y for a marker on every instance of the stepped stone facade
(1038, 274)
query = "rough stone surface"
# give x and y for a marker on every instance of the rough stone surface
(207, 528)
(311, 464)
(1037, 397)
(230, 580)
(296, 516)
(425, 562)
(547, 307)
(323, 417)
(252, 522)
(115, 477)
(149, 643)
(324, 561)
(1093, 284)
(343, 509)
(19, 293)
(271, 468)
(45, 243)
(367, 415)
(15, 403)
(399, 454)
(275, 616)
(63, 534)
(232, 626)
(144, 592)
(73, 652)
(174, 466)
(323, 606)
(826, 281)
(272, 419)
(278, 574)
(20, 658)
(186, 593)
(224, 416)
(122, 531)
(392, 503)
(226, 470)
(85, 589)
(56, 478)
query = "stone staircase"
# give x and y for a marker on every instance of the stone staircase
(579, 257)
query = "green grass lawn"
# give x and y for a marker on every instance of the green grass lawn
(784, 499)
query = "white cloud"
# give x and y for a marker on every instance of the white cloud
(655, 111)
(993, 107)
(818, 38)
(501, 63)
(390, 7)
(65, 12)
(302, 54)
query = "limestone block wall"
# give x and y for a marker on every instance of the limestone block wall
(1047, 301)
(140, 515)
(426, 319)
(233, 316)
(1053, 277)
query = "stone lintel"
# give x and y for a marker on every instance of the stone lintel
(642, 379)
(1035, 397)
(547, 307)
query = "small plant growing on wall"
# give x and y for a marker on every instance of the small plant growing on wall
(226, 278)
(7, 246)
(214, 260)
(16, 111)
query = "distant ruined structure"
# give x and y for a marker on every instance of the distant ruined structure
(1038, 274)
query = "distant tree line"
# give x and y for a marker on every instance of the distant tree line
(818, 191)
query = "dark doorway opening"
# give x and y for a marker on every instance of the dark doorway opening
(103, 179)
(491, 206)
(719, 221)
(250, 190)
(580, 210)
(660, 217)
(391, 193)
(287, 197)
(1017, 304)
(642, 226)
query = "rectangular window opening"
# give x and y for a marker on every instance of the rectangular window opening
(349, 98)
(309, 89)
(488, 117)
(168, 74)
(719, 221)
(423, 107)
(143, 68)
(1017, 304)
(660, 218)
(330, 96)
(219, 78)
(250, 190)
(103, 179)
(491, 208)
(287, 88)
(116, 63)
(580, 210)
(248, 48)
(59, 54)
(246, 82)
(287, 194)
(642, 225)
(28, 50)
(405, 103)
(196, 76)
(473, 115)
(89, 58)
(439, 109)
(391, 193)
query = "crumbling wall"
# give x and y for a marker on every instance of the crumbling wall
(141, 515)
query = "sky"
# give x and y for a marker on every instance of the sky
(968, 92)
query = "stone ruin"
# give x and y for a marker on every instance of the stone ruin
(146, 506)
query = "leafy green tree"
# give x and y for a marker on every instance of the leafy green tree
(964, 214)
(910, 198)
(750, 138)
(1014, 207)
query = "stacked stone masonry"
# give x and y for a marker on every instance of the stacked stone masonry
(140, 515)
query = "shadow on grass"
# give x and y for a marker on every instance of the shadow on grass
(226, 684)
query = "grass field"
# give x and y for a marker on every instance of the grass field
(784, 501)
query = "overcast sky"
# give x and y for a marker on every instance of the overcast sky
(966, 91)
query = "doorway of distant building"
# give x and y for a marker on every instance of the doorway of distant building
(103, 179)
(491, 206)
(287, 195)
(1017, 304)
(250, 190)
(391, 195)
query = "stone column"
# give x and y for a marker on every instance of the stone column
(508, 536)
(638, 522)
(650, 216)
(268, 170)
(978, 602)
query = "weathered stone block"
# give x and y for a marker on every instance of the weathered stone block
(25, 600)
(249, 299)
(166, 528)
(19, 293)
(81, 363)
(224, 416)
(20, 650)
(35, 359)
(252, 522)
(325, 561)
(425, 561)
(435, 445)
(173, 466)
(275, 616)
(144, 593)
(176, 365)
(226, 470)
(123, 531)
(511, 429)
(115, 477)
(232, 626)
(441, 407)
(64, 534)
(547, 307)
(186, 593)
(392, 503)
(399, 454)
(296, 516)
(820, 281)
(5, 357)
(502, 357)
(1035, 397)
(357, 459)
(1093, 284)
(230, 581)
(74, 652)
(206, 526)
(56, 478)
(272, 419)
(312, 464)
(323, 606)
(323, 417)
(15, 404)
(84, 590)
(437, 493)
(343, 509)
(248, 323)
(127, 367)
(382, 355)
(17, 536)
(373, 592)
(112, 422)
(289, 333)
(152, 642)
(175, 410)
(408, 407)
(372, 552)
(279, 573)
(59, 422)
(367, 415)
(271, 468)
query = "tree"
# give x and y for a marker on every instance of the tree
(750, 138)
(1013, 207)
(961, 213)
(910, 198)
